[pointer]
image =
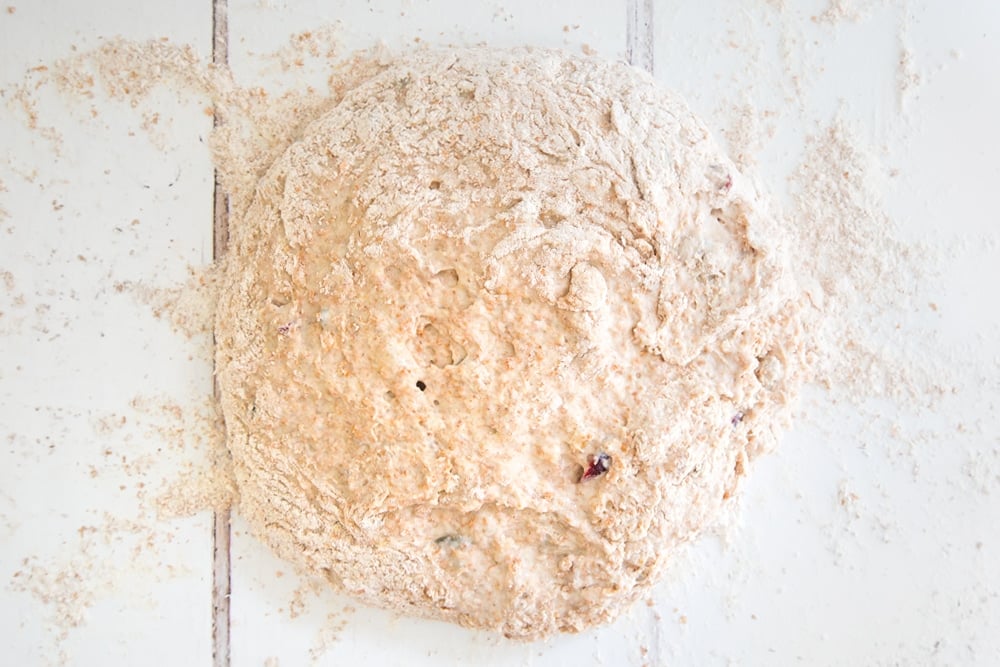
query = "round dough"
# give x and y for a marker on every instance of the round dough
(473, 276)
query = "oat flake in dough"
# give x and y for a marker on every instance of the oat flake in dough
(477, 270)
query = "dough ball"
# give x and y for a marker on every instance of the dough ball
(499, 332)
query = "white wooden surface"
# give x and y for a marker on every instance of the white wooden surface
(74, 353)
(906, 574)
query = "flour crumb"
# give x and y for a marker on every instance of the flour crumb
(848, 500)
(908, 76)
(328, 635)
(321, 42)
(849, 11)
(748, 132)
(131, 71)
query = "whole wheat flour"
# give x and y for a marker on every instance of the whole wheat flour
(498, 332)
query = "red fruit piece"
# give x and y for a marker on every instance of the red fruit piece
(597, 465)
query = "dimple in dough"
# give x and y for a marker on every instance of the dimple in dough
(471, 278)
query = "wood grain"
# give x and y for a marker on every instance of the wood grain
(639, 34)
(221, 558)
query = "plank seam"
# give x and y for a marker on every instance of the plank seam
(639, 37)
(639, 41)
(221, 526)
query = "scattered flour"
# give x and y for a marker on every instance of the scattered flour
(910, 77)
(189, 307)
(856, 271)
(69, 586)
(852, 11)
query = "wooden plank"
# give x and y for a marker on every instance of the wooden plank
(222, 528)
(276, 613)
(853, 547)
(96, 395)
(639, 36)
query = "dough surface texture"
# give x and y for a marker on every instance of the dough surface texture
(472, 276)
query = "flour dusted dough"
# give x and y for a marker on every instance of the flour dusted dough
(474, 274)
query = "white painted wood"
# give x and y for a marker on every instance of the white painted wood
(260, 27)
(76, 542)
(905, 574)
